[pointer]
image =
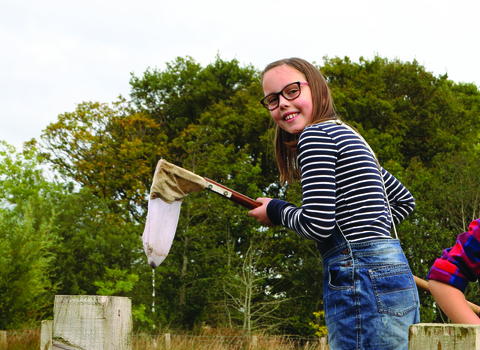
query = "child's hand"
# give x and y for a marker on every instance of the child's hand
(260, 213)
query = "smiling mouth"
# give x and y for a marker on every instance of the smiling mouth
(290, 116)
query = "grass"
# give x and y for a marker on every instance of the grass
(29, 339)
(185, 342)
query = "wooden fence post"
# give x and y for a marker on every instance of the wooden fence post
(323, 343)
(46, 335)
(3, 339)
(167, 341)
(92, 322)
(254, 342)
(433, 336)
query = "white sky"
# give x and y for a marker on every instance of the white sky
(55, 54)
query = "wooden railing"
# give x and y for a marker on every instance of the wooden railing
(105, 323)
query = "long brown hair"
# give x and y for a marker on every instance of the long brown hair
(323, 109)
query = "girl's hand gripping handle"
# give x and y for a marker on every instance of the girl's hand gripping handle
(260, 213)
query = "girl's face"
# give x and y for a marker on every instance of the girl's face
(292, 116)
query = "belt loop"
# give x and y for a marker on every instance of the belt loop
(348, 251)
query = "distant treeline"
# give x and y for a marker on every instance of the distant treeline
(80, 231)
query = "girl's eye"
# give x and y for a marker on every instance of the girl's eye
(272, 99)
(293, 91)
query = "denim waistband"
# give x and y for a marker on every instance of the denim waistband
(361, 249)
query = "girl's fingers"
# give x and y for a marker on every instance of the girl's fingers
(260, 213)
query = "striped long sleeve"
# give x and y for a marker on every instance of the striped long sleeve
(341, 185)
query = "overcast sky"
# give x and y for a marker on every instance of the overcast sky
(55, 54)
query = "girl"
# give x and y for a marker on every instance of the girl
(349, 203)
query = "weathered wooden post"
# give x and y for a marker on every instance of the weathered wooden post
(92, 322)
(323, 343)
(46, 335)
(3, 339)
(168, 341)
(433, 336)
(253, 342)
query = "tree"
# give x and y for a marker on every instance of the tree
(457, 187)
(54, 239)
(250, 296)
(26, 239)
(176, 97)
(26, 264)
(93, 237)
(110, 149)
(447, 200)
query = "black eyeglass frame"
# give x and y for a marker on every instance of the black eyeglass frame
(264, 104)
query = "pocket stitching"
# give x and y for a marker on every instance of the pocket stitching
(400, 269)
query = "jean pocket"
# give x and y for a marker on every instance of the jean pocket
(394, 289)
(341, 275)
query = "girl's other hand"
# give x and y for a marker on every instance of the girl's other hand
(260, 213)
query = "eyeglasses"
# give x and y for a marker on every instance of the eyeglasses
(289, 92)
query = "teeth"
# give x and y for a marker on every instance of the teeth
(290, 116)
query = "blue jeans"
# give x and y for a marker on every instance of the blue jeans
(369, 294)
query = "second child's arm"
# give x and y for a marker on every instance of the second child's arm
(453, 303)
(450, 274)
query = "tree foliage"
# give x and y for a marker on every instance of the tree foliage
(26, 239)
(109, 149)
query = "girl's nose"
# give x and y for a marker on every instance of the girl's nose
(283, 102)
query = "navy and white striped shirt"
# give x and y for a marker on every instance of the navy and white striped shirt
(341, 184)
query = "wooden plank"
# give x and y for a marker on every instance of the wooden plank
(323, 343)
(434, 336)
(168, 341)
(46, 335)
(3, 339)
